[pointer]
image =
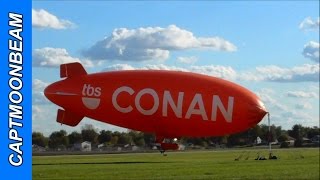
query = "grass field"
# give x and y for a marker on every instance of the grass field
(292, 164)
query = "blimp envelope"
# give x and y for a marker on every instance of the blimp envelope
(167, 103)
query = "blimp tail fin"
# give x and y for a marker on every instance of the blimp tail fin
(72, 70)
(68, 118)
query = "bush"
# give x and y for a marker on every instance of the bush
(284, 145)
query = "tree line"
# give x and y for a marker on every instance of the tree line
(58, 139)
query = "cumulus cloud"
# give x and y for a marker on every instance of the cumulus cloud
(187, 60)
(302, 94)
(309, 24)
(266, 95)
(311, 51)
(303, 106)
(36, 110)
(38, 87)
(162, 67)
(224, 72)
(284, 115)
(117, 67)
(43, 19)
(303, 73)
(270, 101)
(53, 57)
(288, 118)
(152, 43)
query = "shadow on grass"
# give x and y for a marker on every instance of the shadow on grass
(86, 163)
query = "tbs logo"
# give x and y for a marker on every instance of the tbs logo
(87, 90)
(91, 96)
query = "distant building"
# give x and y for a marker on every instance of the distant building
(258, 140)
(315, 139)
(36, 148)
(306, 140)
(135, 148)
(274, 142)
(290, 141)
(182, 147)
(84, 146)
(101, 146)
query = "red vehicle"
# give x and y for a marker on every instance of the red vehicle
(169, 104)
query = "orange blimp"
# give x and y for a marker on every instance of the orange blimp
(169, 104)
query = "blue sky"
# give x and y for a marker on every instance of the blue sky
(272, 48)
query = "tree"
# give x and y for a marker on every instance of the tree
(39, 139)
(264, 132)
(236, 139)
(137, 138)
(311, 132)
(88, 133)
(274, 131)
(124, 139)
(278, 131)
(297, 133)
(104, 136)
(283, 138)
(257, 131)
(149, 139)
(114, 140)
(75, 137)
(58, 138)
(140, 142)
(284, 145)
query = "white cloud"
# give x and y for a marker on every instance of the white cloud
(288, 118)
(38, 87)
(36, 109)
(270, 100)
(152, 43)
(303, 106)
(187, 60)
(311, 51)
(272, 73)
(162, 67)
(303, 73)
(281, 113)
(119, 67)
(266, 95)
(314, 88)
(53, 57)
(43, 19)
(224, 72)
(309, 24)
(302, 94)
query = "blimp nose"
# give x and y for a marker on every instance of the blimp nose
(62, 93)
(51, 91)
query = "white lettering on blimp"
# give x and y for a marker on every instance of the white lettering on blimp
(176, 107)
(167, 99)
(155, 96)
(115, 95)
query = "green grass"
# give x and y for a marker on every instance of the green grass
(293, 164)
